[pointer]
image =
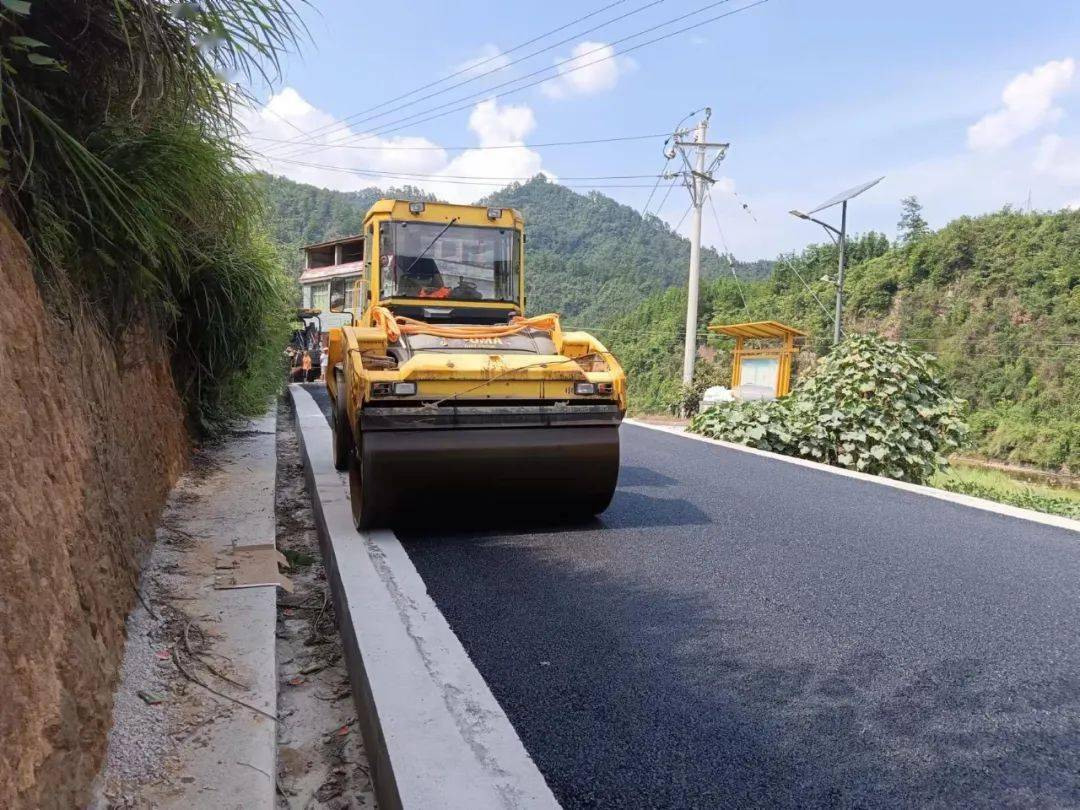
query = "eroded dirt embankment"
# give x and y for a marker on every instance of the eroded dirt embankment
(91, 440)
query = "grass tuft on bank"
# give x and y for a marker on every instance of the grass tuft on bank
(118, 166)
(997, 486)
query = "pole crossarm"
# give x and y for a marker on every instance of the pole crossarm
(706, 145)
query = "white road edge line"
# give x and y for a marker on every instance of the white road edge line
(1056, 521)
(435, 733)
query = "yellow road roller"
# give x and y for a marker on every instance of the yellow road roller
(446, 399)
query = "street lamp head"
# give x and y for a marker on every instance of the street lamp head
(798, 214)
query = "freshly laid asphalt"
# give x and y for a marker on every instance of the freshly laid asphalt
(739, 631)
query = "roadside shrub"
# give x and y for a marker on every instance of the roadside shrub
(871, 405)
(686, 399)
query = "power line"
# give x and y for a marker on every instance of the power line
(396, 148)
(730, 257)
(473, 66)
(682, 218)
(447, 179)
(391, 128)
(809, 289)
(656, 185)
(509, 178)
(359, 118)
(664, 200)
(487, 92)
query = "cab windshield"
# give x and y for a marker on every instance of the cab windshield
(461, 263)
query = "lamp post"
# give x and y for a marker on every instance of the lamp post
(840, 239)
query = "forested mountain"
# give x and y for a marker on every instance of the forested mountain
(588, 257)
(996, 298)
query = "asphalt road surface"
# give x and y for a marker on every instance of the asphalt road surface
(739, 631)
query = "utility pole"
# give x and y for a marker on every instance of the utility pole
(698, 198)
(697, 178)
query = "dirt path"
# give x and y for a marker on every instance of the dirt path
(321, 759)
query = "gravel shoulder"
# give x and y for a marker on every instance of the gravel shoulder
(191, 723)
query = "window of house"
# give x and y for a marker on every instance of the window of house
(352, 292)
(352, 251)
(320, 257)
(320, 296)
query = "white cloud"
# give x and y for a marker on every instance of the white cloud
(490, 57)
(1029, 104)
(591, 68)
(501, 126)
(1059, 159)
(328, 156)
(493, 126)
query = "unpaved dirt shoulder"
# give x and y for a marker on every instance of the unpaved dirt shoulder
(157, 710)
(194, 720)
(321, 757)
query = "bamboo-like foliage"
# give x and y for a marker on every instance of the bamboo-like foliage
(117, 163)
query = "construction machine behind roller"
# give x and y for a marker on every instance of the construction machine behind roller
(445, 398)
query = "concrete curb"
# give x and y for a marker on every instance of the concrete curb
(435, 735)
(1057, 521)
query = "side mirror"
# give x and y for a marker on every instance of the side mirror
(337, 295)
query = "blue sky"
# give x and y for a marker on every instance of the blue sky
(968, 105)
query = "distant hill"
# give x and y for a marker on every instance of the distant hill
(588, 257)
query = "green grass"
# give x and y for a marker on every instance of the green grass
(997, 486)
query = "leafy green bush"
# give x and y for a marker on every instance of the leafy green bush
(871, 405)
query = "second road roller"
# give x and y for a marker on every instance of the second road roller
(446, 399)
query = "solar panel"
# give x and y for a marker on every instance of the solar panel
(846, 195)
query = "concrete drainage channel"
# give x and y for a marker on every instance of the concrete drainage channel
(434, 733)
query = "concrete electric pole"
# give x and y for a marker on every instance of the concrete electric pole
(697, 177)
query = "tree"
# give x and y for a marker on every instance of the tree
(912, 227)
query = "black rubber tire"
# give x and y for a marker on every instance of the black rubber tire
(339, 424)
(361, 498)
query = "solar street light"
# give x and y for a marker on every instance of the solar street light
(839, 238)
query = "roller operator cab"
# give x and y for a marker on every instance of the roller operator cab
(446, 399)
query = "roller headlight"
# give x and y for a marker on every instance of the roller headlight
(398, 389)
